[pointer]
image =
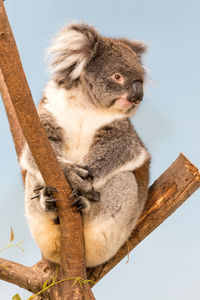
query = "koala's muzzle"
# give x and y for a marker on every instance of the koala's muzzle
(136, 93)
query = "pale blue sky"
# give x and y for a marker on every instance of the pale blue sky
(166, 265)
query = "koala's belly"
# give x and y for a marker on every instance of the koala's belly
(78, 139)
(76, 154)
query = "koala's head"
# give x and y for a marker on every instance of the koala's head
(110, 70)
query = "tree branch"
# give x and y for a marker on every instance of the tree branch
(167, 193)
(15, 128)
(21, 275)
(72, 262)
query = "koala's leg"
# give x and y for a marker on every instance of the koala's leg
(41, 215)
(40, 204)
(110, 221)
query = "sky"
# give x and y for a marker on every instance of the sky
(166, 265)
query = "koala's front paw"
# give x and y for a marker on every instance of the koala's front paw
(45, 195)
(80, 178)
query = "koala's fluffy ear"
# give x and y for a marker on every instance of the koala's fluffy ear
(71, 50)
(137, 46)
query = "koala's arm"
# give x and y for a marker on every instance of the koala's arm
(78, 177)
(54, 134)
(116, 147)
(119, 161)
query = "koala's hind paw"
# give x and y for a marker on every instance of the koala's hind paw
(82, 200)
(92, 196)
(45, 195)
(81, 203)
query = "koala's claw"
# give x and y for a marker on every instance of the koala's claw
(81, 207)
(92, 196)
(48, 190)
(95, 196)
(36, 196)
(50, 208)
(45, 195)
(38, 188)
(51, 200)
(88, 172)
(75, 202)
(75, 193)
(81, 203)
(50, 204)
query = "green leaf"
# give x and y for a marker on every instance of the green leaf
(46, 282)
(16, 297)
(11, 234)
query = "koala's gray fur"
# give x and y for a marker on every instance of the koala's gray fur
(96, 85)
(117, 135)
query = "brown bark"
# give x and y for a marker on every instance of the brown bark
(25, 277)
(72, 262)
(167, 193)
(15, 128)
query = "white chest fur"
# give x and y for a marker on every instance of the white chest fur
(77, 118)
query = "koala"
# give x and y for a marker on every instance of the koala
(96, 85)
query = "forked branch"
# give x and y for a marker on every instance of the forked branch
(167, 193)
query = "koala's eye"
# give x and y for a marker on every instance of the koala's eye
(118, 77)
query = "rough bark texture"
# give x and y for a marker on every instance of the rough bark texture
(25, 277)
(15, 128)
(167, 193)
(72, 262)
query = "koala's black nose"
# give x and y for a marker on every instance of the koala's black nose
(136, 94)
